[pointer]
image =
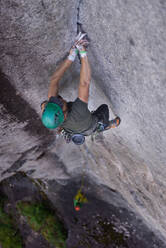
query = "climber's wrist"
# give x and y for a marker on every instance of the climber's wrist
(72, 54)
(83, 53)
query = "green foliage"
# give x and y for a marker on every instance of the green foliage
(9, 237)
(43, 220)
(35, 214)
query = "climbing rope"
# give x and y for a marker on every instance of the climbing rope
(80, 198)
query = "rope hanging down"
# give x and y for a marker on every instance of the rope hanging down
(80, 198)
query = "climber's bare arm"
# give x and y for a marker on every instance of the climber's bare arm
(85, 78)
(58, 74)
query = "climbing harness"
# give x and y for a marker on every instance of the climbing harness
(79, 139)
(67, 136)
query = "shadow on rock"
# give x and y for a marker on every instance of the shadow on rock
(20, 109)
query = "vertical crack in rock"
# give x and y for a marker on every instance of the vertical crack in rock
(79, 24)
(43, 4)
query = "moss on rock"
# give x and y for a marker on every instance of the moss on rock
(9, 234)
(43, 219)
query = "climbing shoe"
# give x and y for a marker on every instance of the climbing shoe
(114, 123)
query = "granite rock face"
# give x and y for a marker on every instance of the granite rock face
(37, 208)
(128, 59)
(127, 55)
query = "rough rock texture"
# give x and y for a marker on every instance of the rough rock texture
(128, 58)
(127, 55)
(98, 224)
(20, 189)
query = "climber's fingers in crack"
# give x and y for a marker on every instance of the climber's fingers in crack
(79, 39)
(80, 36)
(82, 43)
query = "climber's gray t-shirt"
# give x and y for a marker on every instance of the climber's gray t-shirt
(79, 118)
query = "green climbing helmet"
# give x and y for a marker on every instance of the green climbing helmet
(52, 116)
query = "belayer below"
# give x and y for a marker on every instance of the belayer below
(79, 200)
(73, 119)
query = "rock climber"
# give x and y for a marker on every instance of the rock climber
(74, 118)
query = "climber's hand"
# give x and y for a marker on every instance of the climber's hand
(81, 42)
(82, 45)
(80, 36)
